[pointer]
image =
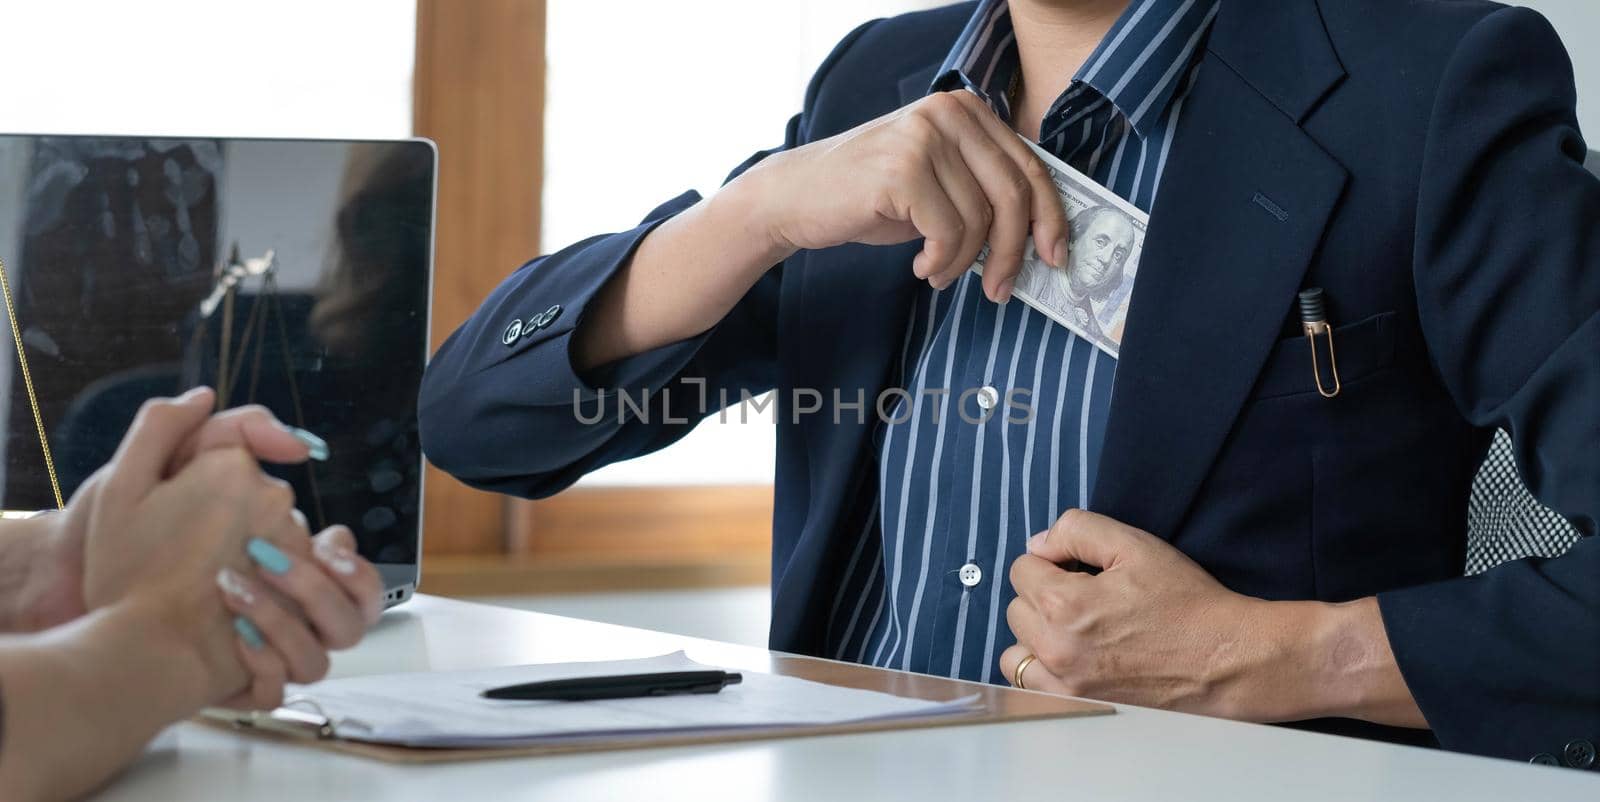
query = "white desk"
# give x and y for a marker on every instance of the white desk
(1137, 754)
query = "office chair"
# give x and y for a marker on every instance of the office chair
(1504, 521)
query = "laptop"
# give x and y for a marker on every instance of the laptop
(295, 274)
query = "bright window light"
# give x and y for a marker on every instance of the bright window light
(289, 68)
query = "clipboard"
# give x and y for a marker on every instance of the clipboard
(300, 721)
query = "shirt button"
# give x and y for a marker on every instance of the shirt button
(987, 398)
(971, 575)
(1579, 753)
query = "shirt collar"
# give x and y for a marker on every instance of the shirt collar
(1139, 66)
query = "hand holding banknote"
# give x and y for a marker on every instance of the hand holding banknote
(947, 169)
(944, 168)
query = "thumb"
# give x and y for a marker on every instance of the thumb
(158, 431)
(1085, 537)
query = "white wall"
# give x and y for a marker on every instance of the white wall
(287, 68)
(1578, 22)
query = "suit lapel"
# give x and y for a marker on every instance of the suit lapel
(843, 336)
(1243, 204)
(857, 298)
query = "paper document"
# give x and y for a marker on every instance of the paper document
(444, 709)
(1090, 295)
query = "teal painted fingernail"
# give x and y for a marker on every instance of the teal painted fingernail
(317, 446)
(267, 556)
(248, 631)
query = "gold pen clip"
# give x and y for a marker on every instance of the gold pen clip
(1314, 322)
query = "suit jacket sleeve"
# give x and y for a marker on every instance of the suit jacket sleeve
(504, 410)
(1507, 261)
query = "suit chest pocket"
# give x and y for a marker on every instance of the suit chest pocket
(1360, 349)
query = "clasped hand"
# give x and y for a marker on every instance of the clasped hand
(183, 522)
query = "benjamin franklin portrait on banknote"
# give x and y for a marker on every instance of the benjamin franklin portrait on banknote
(1090, 295)
(1092, 291)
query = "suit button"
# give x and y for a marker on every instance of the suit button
(1578, 753)
(1545, 759)
(512, 332)
(542, 319)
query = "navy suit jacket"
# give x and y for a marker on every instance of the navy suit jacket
(1421, 161)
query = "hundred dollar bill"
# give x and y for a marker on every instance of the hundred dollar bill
(1090, 296)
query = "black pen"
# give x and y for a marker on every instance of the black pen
(625, 686)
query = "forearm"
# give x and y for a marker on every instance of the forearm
(641, 304)
(81, 700)
(685, 276)
(1314, 660)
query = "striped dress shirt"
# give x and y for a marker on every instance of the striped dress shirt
(1000, 427)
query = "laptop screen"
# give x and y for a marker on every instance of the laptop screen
(291, 274)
